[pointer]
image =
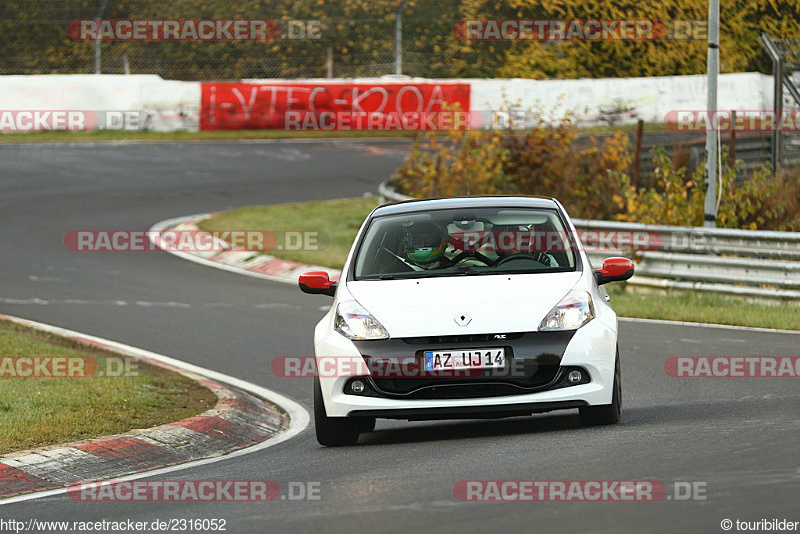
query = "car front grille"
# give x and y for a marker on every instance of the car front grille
(533, 363)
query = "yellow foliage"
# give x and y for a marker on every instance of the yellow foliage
(590, 177)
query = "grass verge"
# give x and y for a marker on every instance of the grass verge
(38, 412)
(340, 219)
(702, 308)
(248, 135)
(223, 135)
(337, 222)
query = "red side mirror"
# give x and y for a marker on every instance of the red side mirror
(614, 270)
(317, 283)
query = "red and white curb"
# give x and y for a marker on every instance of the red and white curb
(237, 260)
(241, 422)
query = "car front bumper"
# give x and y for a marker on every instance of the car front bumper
(592, 347)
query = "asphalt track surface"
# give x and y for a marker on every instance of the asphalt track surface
(740, 436)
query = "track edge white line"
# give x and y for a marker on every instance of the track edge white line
(299, 417)
(708, 325)
(169, 223)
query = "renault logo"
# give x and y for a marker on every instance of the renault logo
(462, 319)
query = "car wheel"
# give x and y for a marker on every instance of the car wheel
(332, 431)
(606, 414)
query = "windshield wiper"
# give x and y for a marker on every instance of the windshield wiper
(463, 271)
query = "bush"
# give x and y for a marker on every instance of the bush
(676, 199)
(774, 201)
(543, 161)
(760, 201)
(465, 162)
(590, 177)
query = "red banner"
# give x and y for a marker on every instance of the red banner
(333, 106)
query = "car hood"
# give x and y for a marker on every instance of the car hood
(491, 303)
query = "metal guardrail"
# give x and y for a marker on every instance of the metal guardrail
(730, 270)
(753, 150)
(700, 240)
(751, 263)
(387, 194)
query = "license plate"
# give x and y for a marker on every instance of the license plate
(464, 359)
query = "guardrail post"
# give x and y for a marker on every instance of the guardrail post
(710, 216)
(777, 80)
(732, 142)
(638, 152)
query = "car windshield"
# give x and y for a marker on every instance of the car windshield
(453, 242)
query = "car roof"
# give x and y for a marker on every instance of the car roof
(411, 206)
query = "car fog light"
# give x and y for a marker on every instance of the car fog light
(574, 377)
(357, 386)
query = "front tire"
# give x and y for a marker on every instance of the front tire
(606, 414)
(332, 431)
(365, 424)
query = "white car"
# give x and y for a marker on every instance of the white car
(465, 308)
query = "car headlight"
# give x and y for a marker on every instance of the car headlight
(354, 322)
(574, 311)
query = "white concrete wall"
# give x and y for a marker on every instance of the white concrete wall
(651, 98)
(170, 105)
(175, 105)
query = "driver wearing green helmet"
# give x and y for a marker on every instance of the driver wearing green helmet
(424, 245)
